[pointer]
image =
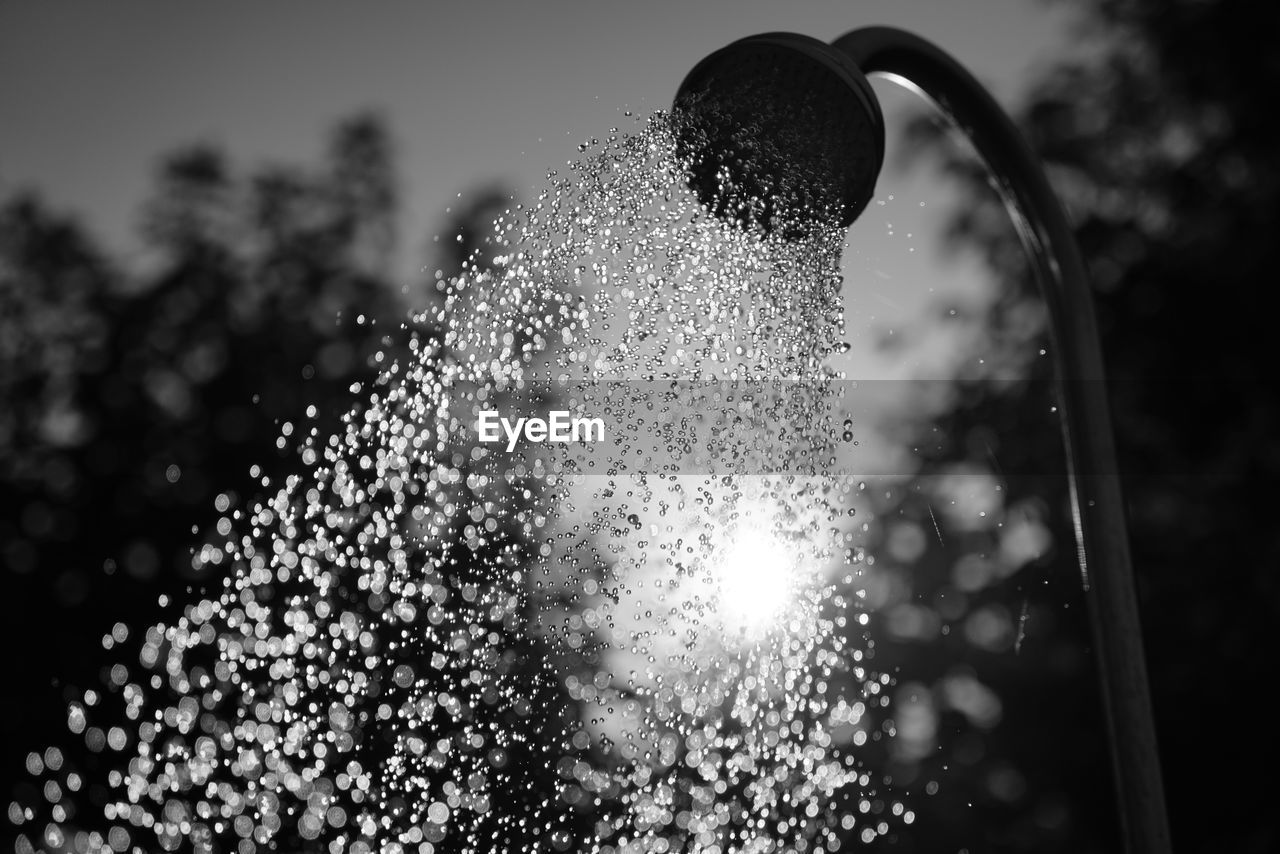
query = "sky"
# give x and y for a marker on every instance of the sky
(476, 93)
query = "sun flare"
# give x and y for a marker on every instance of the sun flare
(755, 578)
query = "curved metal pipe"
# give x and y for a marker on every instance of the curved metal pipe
(1097, 504)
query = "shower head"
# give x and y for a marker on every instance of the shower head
(780, 131)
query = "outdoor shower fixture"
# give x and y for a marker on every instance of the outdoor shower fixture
(782, 130)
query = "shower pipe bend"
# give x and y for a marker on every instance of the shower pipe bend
(1097, 503)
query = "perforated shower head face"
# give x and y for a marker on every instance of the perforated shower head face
(781, 131)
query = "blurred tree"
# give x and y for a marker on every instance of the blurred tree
(130, 399)
(140, 408)
(1161, 140)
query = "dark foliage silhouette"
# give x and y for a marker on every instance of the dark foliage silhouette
(1161, 141)
(147, 405)
(133, 400)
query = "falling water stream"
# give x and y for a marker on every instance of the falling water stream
(430, 643)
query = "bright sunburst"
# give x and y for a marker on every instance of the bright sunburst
(755, 580)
